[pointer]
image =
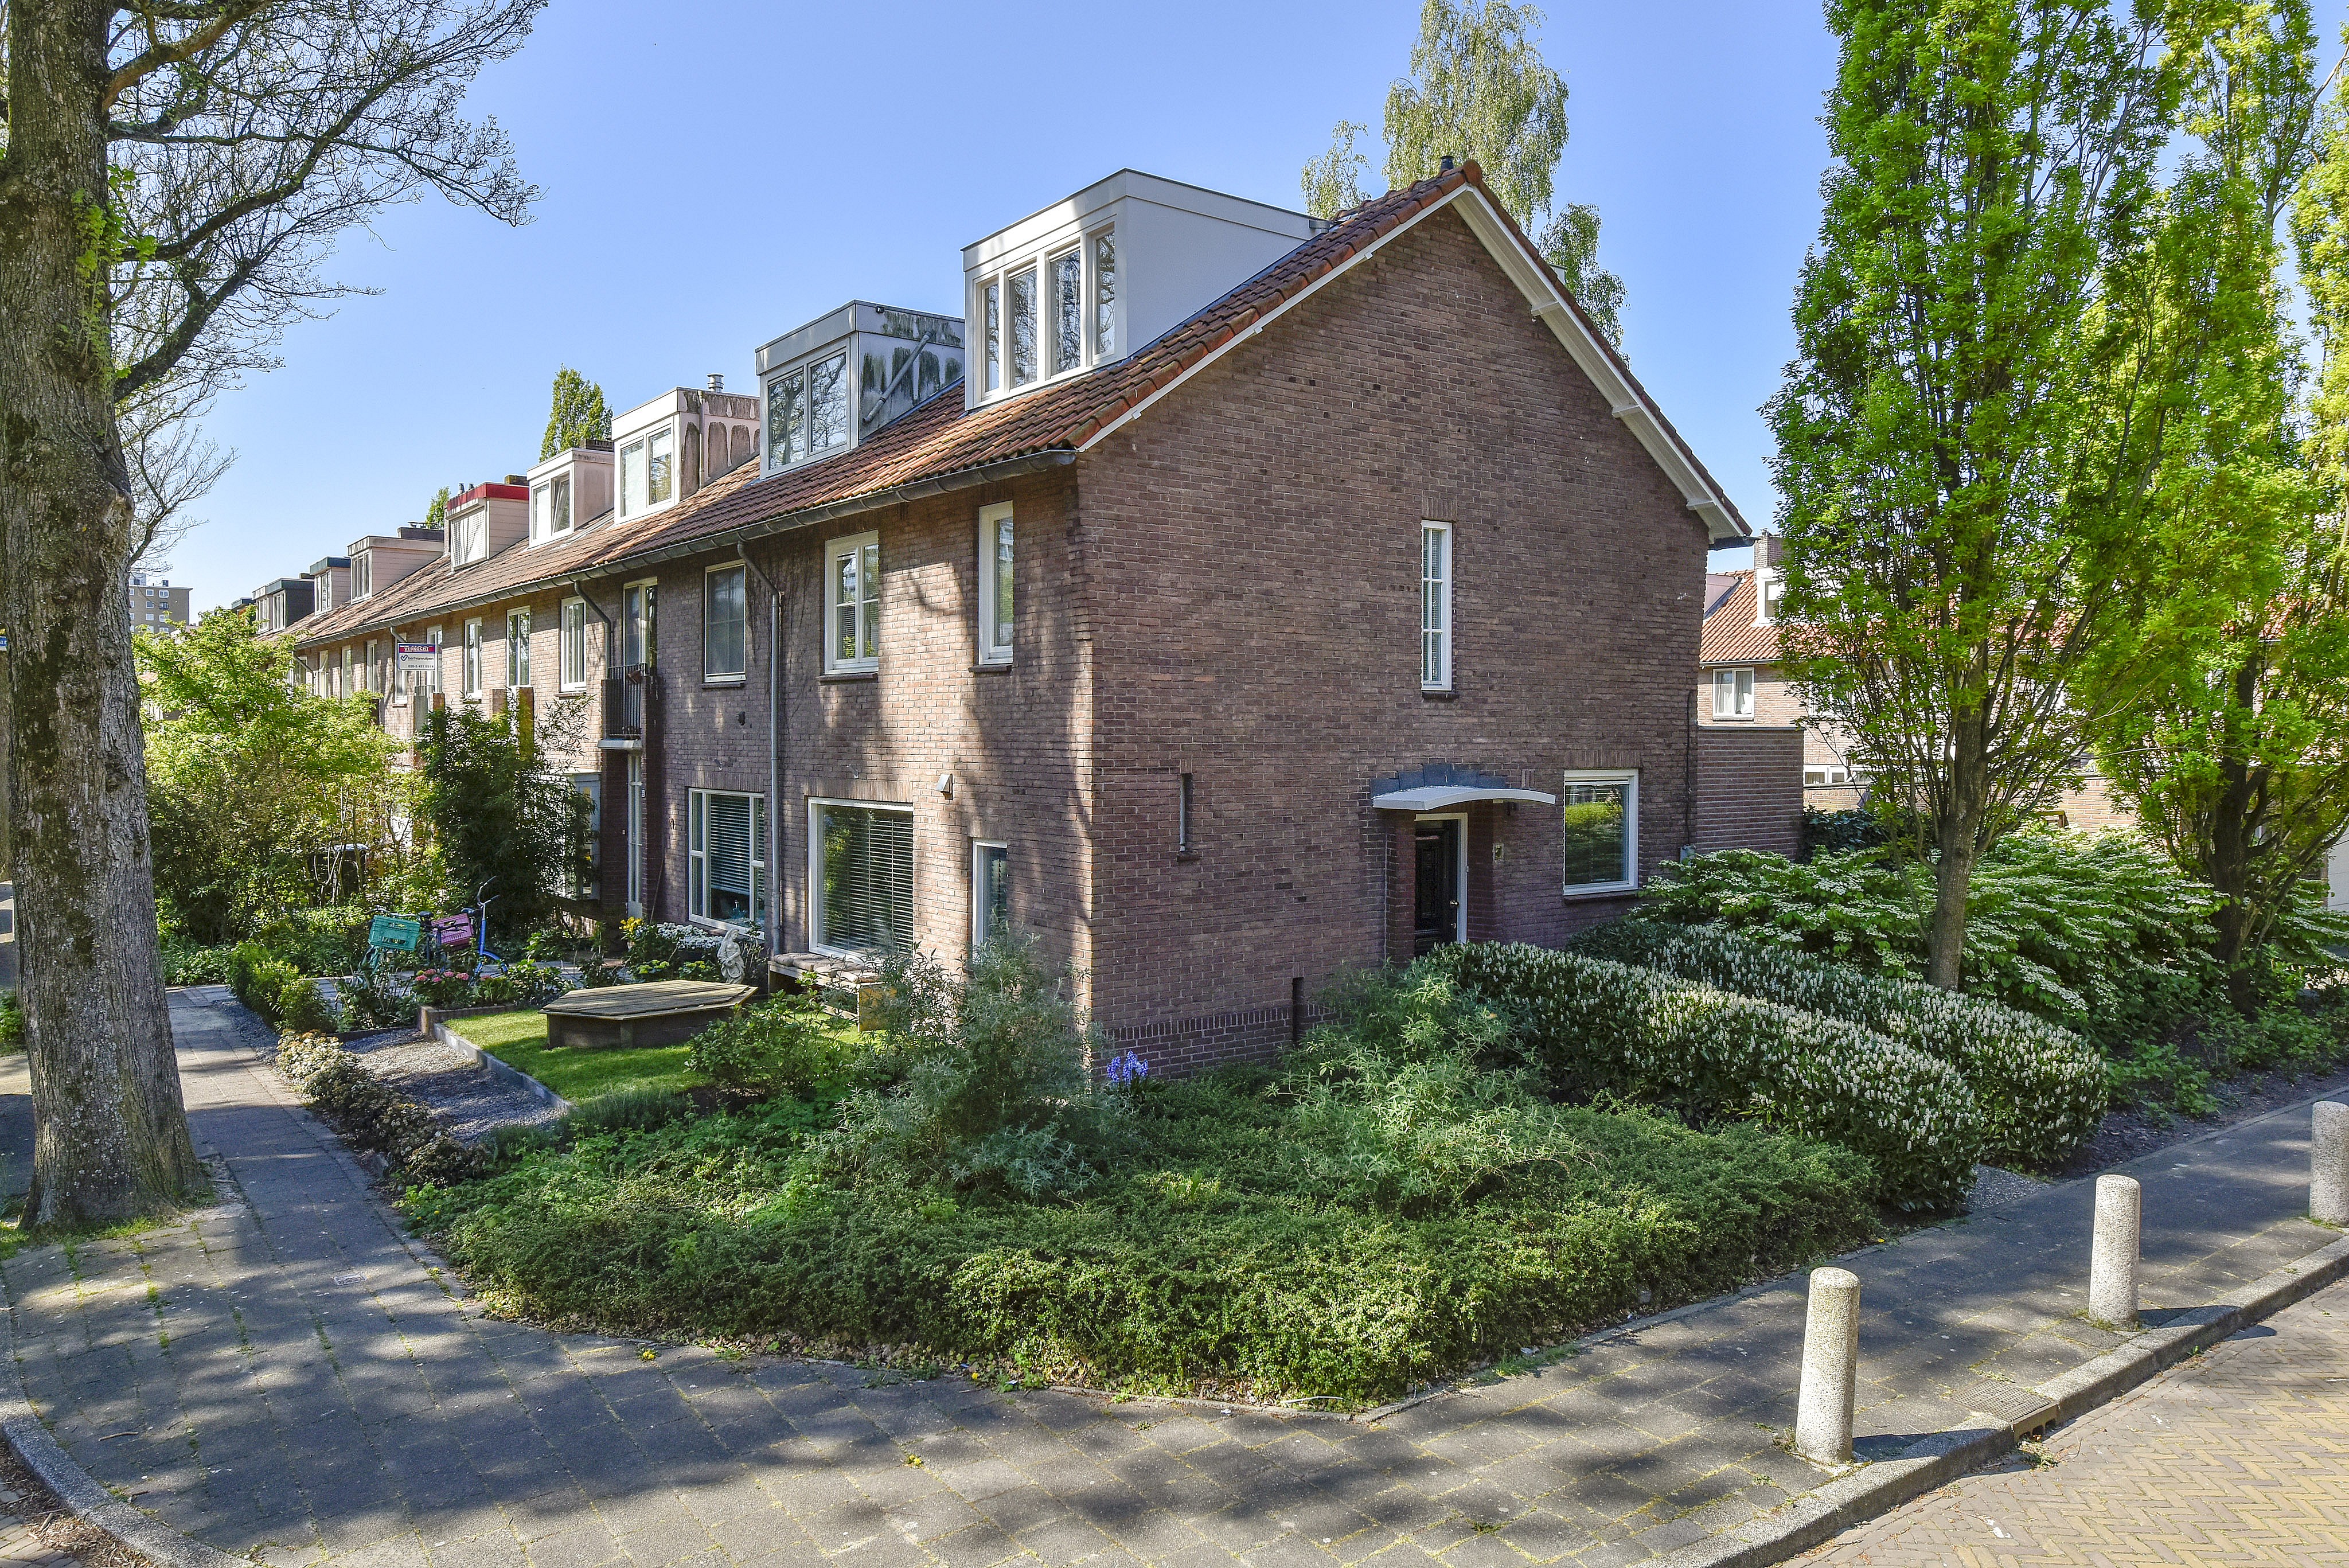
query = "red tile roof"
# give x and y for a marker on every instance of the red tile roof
(1730, 634)
(938, 440)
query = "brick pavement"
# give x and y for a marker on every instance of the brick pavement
(2239, 1454)
(285, 1375)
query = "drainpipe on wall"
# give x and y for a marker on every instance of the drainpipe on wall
(774, 918)
(1688, 794)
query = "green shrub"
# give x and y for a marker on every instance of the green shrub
(2040, 1090)
(258, 980)
(443, 988)
(11, 1021)
(534, 984)
(1592, 1026)
(632, 1109)
(184, 965)
(595, 974)
(783, 1046)
(378, 999)
(440, 1161)
(301, 1009)
(2058, 925)
(368, 1110)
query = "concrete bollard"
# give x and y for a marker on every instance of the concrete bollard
(2112, 1264)
(1830, 1367)
(2328, 1164)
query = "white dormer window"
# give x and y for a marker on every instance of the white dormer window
(550, 507)
(648, 471)
(1048, 315)
(1769, 588)
(362, 576)
(469, 536)
(807, 411)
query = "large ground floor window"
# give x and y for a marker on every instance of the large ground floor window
(727, 858)
(862, 865)
(1602, 832)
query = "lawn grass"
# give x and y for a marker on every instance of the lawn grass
(519, 1040)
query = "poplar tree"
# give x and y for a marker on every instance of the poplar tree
(172, 173)
(2232, 746)
(1479, 89)
(578, 416)
(1990, 159)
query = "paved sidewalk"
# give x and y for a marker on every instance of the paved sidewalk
(2239, 1454)
(283, 1375)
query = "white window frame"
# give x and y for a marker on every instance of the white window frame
(1435, 627)
(517, 649)
(436, 638)
(362, 576)
(725, 677)
(994, 349)
(471, 657)
(620, 497)
(572, 622)
(542, 507)
(1768, 585)
(978, 852)
(1826, 779)
(473, 529)
(651, 601)
(1630, 779)
(815, 805)
(1729, 680)
(590, 886)
(991, 519)
(696, 860)
(833, 550)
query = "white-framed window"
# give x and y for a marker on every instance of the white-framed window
(362, 576)
(726, 855)
(1733, 693)
(995, 584)
(1048, 314)
(1825, 777)
(632, 479)
(1769, 588)
(860, 876)
(648, 471)
(472, 672)
(575, 645)
(550, 507)
(990, 893)
(807, 412)
(587, 876)
(346, 685)
(639, 627)
(367, 670)
(517, 649)
(1435, 607)
(724, 624)
(1602, 830)
(851, 597)
(470, 535)
(432, 681)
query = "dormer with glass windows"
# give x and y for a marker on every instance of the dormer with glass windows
(330, 580)
(379, 560)
(486, 519)
(670, 447)
(1086, 281)
(569, 491)
(835, 381)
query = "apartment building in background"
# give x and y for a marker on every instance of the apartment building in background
(155, 605)
(1224, 599)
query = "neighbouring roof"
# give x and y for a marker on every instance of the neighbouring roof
(1730, 634)
(941, 440)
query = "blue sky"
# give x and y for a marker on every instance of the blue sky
(717, 174)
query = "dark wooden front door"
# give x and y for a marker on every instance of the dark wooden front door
(1436, 877)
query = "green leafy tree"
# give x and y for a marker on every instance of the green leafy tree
(436, 513)
(502, 817)
(1479, 89)
(172, 176)
(1991, 157)
(577, 417)
(2232, 742)
(257, 791)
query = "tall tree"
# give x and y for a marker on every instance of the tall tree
(2232, 742)
(173, 175)
(578, 415)
(1990, 157)
(1479, 89)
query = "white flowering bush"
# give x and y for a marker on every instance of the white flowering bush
(1595, 1025)
(2039, 1088)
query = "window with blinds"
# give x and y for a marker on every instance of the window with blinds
(727, 857)
(865, 863)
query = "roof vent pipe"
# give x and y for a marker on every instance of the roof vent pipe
(1447, 163)
(717, 381)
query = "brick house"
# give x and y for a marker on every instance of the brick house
(1227, 599)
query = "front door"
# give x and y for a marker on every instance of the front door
(1436, 877)
(635, 836)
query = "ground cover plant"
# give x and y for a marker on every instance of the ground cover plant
(1396, 1203)
(519, 1040)
(2039, 1089)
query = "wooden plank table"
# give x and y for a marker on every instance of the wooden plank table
(617, 1017)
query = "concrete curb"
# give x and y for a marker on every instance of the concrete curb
(1876, 1488)
(513, 1078)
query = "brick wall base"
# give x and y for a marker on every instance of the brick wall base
(1178, 1047)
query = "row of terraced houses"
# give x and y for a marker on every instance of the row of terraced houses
(1227, 597)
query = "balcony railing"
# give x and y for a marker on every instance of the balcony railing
(625, 698)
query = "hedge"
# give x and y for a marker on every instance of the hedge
(2039, 1089)
(1594, 1025)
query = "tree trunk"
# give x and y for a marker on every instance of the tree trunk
(1957, 843)
(110, 1139)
